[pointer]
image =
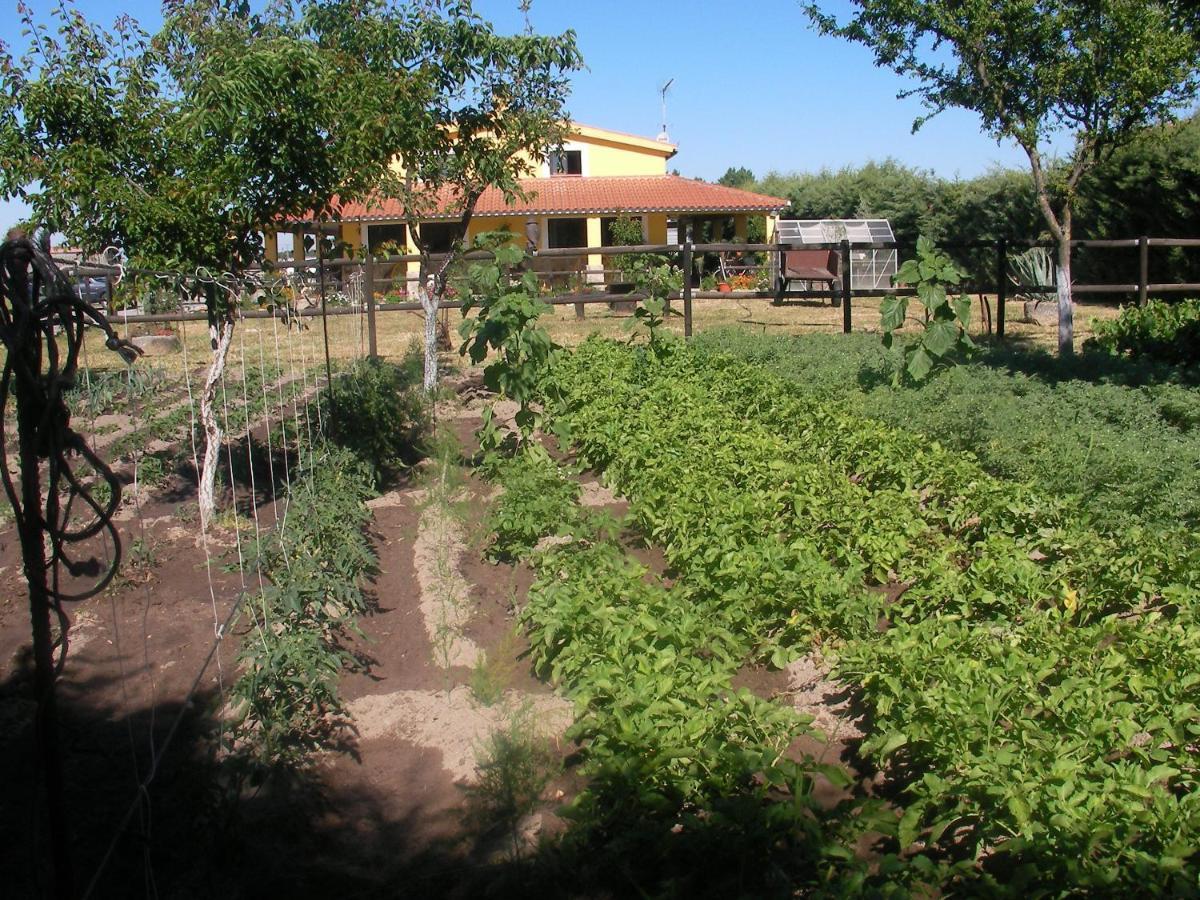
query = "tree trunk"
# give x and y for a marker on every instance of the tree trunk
(221, 333)
(429, 303)
(1066, 308)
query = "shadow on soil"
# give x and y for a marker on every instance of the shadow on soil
(298, 837)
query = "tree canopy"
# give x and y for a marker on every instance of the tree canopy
(1094, 71)
(181, 147)
(737, 177)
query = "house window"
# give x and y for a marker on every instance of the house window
(606, 231)
(565, 162)
(391, 236)
(566, 233)
(439, 237)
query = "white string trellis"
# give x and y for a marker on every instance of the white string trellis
(221, 626)
(274, 405)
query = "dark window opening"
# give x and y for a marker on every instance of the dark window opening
(393, 238)
(439, 237)
(566, 162)
(566, 233)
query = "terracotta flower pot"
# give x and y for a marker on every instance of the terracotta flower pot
(725, 287)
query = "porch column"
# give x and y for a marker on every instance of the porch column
(271, 246)
(740, 229)
(595, 262)
(350, 234)
(298, 254)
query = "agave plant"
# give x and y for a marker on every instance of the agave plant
(1032, 269)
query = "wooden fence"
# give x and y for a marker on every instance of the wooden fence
(686, 253)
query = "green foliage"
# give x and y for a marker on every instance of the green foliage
(911, 199)
(539, 500)
(315, 564)
(1150, 187)
(1158, 331)
(376, 411)
(650, 315)
(1118, 442)
(737, 177)
(652, 274)
(516, 763)
(171, 146)
(946, 319)
(1096, 72)
(1035, 676)
(505, 323)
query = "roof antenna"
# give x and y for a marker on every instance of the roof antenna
(662, 135)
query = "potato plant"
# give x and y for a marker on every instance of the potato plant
(1031, 680)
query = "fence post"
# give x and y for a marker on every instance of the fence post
(687, 279)
(369, 292)
(1001, 285)
(846, 287)
(1143, 269)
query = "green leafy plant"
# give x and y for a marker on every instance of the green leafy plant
(315, 564)
(516, 763)
(1030, 678)
(1032, 268)
(539, 500)
(376, 410)
(945, 336)
(650, 314)
(507, 308)
(1158, 331)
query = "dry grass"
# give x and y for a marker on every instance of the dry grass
(291, 350)
(802, 317)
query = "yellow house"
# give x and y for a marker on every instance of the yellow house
(574, 196)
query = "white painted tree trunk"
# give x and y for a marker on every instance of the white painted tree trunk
(429, 303)
(221, 334)
(1066, 308)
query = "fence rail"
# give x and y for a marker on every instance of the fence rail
(687, 253)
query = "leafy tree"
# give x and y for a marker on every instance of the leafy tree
(499, 106)
(1095, 72)
(182, 147)
(737, 177)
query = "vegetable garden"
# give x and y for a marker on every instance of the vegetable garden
(990, 578)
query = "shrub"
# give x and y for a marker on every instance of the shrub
(377, 412)
(1163, 332)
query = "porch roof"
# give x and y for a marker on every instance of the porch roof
(585, 196)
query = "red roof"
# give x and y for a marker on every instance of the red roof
(589, 195)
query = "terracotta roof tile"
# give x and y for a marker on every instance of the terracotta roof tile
(594, 195)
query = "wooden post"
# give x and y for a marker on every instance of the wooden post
(846, 287)
(687, 279)
(369, 297)
(1143, 269)
(1001, 285)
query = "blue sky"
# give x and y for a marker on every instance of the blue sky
(754, 86)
